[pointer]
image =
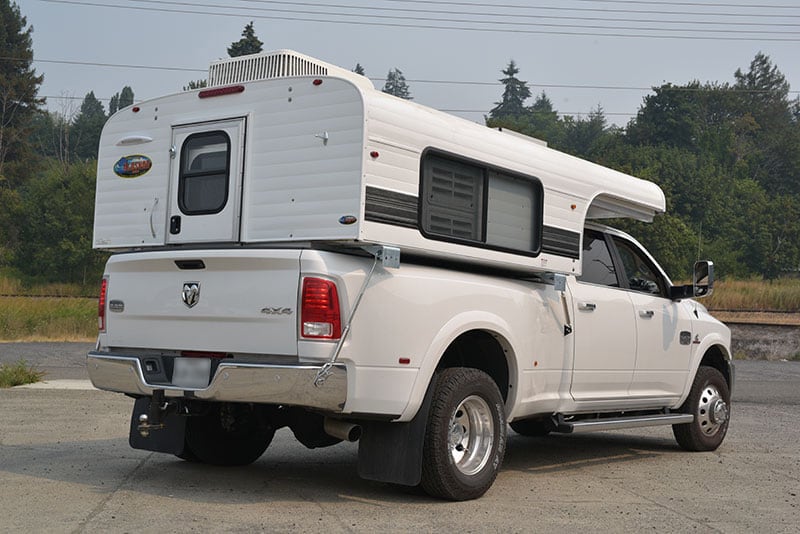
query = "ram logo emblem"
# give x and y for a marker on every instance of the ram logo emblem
(191, 294)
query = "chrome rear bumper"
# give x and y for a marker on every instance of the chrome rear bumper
(234, 382)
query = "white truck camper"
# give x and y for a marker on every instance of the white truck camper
(295, 248)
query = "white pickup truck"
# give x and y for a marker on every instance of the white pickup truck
(294, 248)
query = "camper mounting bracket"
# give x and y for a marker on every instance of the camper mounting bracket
(389, 258)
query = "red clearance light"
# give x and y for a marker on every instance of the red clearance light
(374, 154)
(319, 316)
(404, 361)
(135, 109)
(317, 82)
(101, 305)
(220, 91)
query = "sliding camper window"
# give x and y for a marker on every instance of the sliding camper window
(469, 202)
(204, 173)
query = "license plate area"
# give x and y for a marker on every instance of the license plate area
(192, 373)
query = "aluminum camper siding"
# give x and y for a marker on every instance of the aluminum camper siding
(296, 185)
(574, 189)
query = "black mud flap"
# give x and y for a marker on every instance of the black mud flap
(169, 439)
(392, 452)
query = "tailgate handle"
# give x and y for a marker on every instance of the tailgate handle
(190, 265)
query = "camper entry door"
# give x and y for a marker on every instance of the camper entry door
(206, 182)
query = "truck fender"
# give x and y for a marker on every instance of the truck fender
(709, 341)
(449, 332)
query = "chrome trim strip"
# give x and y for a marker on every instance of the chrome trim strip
(234, 382)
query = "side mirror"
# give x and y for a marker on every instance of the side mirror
(703, 278)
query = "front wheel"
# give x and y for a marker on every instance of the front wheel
(465, 438)
(709, 402)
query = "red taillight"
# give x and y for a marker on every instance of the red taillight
(101, 305)
(319, 317)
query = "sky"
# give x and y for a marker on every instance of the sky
(581, 53)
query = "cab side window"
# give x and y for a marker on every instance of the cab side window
(639, 272)
(598, 267)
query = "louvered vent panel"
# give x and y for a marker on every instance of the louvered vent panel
(453, 189)
(262, 67)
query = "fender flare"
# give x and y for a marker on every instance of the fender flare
(462, 323)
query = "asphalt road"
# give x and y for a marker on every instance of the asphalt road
(65, 466)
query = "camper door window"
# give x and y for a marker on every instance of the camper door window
(204, 173)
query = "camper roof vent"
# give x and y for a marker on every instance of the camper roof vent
(276, 64)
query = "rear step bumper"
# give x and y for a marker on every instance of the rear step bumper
(617, 423)
(234, 382)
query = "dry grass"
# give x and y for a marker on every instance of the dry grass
(755, 295)
(47, 318)
(9, 285)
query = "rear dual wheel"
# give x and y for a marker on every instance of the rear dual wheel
(465, 439)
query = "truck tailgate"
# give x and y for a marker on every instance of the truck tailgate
(242, 301)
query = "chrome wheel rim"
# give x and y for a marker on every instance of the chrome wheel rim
(712, 412)
(471, 435)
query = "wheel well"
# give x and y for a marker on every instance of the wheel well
(715, 357)
(480, 350)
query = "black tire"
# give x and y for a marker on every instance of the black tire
(532, 428)
(228, 434)
(465, 437)
(709, 401)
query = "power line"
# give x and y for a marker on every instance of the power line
(595, 2)
(450, 13)
(424, 81)
(704, 37)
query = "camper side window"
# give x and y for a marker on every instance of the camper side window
(468, 201)
(203, 182)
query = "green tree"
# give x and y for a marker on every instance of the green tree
(775, 136)
(515, 92)
(358, 69)
(87, 126)
(396, 85)
(584, 137)
(543, 121)
(195, 84)
(55, 236)
(19, 85)
(120, 100)
(248, 44)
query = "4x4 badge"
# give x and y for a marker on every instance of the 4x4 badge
(191, 293)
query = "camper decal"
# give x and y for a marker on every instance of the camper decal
(347, 219)
(132, 166)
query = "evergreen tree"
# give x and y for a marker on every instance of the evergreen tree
(87, 126)
(515, 92)
(19, 85)
(358, 69)
(195, 84)
(248, 44)
(396, 85)
(120, 100)
(543, 121)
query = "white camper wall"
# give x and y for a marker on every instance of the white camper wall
(574, 189)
